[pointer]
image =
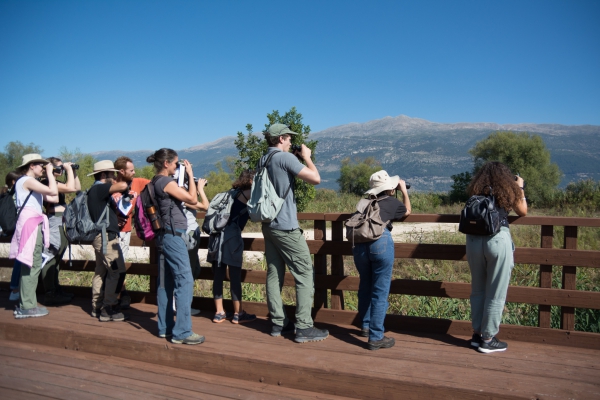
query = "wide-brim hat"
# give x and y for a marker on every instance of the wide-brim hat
(102, 166)
(278, 130)
(33, 157)
(380, 181)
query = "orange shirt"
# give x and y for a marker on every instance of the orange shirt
(137, 185)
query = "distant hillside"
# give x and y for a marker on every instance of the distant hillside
(424, 153)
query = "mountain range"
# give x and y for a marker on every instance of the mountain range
(422, 152)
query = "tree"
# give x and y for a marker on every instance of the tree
(355, 174)
(13, 154)
(85, 161)
(458, 193)
(525, 155)
(252, 147)
(218, 181)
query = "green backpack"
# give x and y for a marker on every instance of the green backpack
(264, 203)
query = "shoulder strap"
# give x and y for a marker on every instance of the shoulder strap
(270, 177)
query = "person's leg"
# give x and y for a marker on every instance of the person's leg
(29, 276)
(15, 277)
(381, 255)
(164, 296)
(115, 271)
(99, 275)
(499, 254)
(219, 276)
(477, 265)
(275, 278)
(293, 249)
(177, 260)
(363, 265)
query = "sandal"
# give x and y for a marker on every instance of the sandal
(219, 317)
(242, 318)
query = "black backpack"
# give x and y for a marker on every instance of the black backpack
(78, 224)
(8, 210)
(480, 216)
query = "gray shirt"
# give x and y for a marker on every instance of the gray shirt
(283, 168)
(171, 209)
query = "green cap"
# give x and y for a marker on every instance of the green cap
(279, 129)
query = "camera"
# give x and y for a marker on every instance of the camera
(182, 177)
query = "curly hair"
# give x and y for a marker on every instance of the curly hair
(498, 176)
(244, 181)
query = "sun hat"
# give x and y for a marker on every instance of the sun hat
(102, 166)
(380, 181)
(278, 130)
(33, 157)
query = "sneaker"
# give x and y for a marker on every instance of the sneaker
(364, 332)
(492, 346)
(384, 343)
(194, 338)
(96, 312)
(53, 298)
(280, 330)
(165, 335)
(30, 313)
(14, 296)
(219, 317)
(112, 314)
(475, 340)
(242, 318)
(125, 300)
(194, 311)
(311, 334)
(17, 308)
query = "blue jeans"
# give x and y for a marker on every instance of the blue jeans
(374, 262)
(16, 275)
(491, 262)
(174, 277)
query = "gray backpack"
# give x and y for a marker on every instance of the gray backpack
(264, 203)
(219, 211)
(365, 225)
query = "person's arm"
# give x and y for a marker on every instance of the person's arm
(49, 192)
(406, 200)
(189, 196)
(309, 174)
(204, 203)
(520, 206)
(116, 186)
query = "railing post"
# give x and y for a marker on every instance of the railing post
(569, 278)
(337, 265)
(544, 313)
(153, 260)
(320, 264)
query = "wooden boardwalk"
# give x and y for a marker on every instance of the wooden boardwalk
(69, 354)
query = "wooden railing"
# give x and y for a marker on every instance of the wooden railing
(331, 250)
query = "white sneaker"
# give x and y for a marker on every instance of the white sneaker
(193, 311)
(14, 296)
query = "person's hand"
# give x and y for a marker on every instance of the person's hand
(306, 152)
(49, 169)
(67, 166)
(188, 168)
(401, 185)
(201, 183)
(520, 181)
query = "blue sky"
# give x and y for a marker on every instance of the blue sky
(131, 75)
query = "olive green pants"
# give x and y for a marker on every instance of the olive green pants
(29, 276)
(289, 248)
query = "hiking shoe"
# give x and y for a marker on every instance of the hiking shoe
(125, 300)
(219, 317)
(280, 330)
(242, 318)
(165, 335)
(96, 312)
(53, 298)
(384, 343)
(30, 313)
(109, 313)
(475, 340)
(311, 334)
(194, 338)
(364, 332)
(41, 308)
(14, 296)
(492, 346)
(194, 311)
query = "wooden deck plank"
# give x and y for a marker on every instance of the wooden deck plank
(435, 366)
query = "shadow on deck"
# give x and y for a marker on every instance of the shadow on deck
(69, 354)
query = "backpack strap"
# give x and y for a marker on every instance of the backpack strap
(164, 196)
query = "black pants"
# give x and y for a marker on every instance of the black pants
(235, 278)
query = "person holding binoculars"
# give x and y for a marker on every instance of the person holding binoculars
(174, 272)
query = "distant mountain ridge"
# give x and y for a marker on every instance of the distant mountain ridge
(424, 153)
